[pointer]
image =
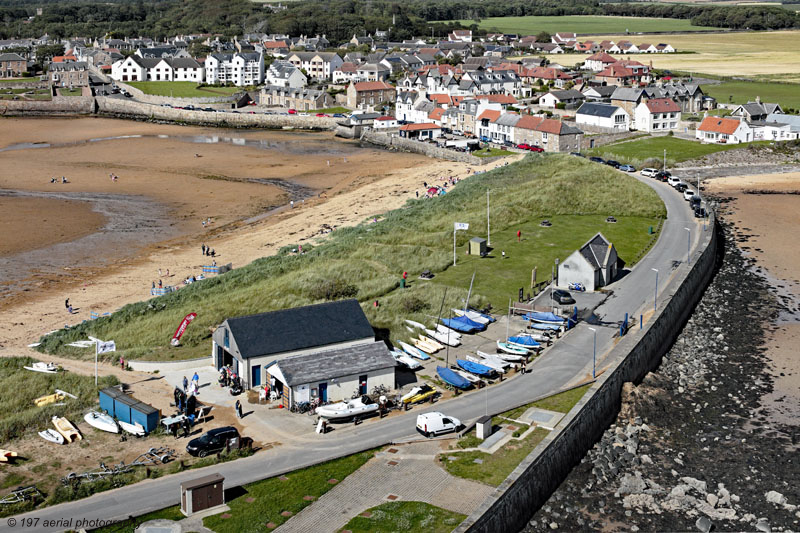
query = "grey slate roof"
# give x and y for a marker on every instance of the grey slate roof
(507, 119)
(322, 366)
(779, 118)
(597, 110)
(595, 251)
(569, 94)
(605, 91)
(626, 94)
(299, 328)
(67, 67)
(11, 57)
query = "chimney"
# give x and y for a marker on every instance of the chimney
(758, 99)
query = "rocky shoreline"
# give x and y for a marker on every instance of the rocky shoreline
(694, 448)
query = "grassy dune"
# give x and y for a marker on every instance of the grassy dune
(367, 261)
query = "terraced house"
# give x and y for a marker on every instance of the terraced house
(241, 69)
(72, 74)
(369, 94)
(318, 65)
(12, 65)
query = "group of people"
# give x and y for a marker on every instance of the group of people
(207, 222)
(63, 180)
(68, 306)
(432, 190)
(193, 388)
(208, 251)
(186, 405)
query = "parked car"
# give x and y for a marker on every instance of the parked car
(680, 187)
(628, 168)
(649, 172)
(673, 180)
(432, 424)
(209, 109)
(596, 159)
(561, 296)
(536, 149)
(190, 108)
(700, 212)
(485, 139)
(663, 175)
(613, 163)
(322, 115)
(338, 115)
(577, 154)
(211, 441)
(165, 105)
(695, 201)
(524, 146)
(688, 194)
(293, 111)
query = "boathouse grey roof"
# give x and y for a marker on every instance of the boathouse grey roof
(597, 110)
(338, 362)
(300, 328)
(596, 251)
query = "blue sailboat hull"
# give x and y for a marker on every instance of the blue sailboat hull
(448, 376)
(474, 368)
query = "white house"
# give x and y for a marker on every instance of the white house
(724, 130)
(596, 117)
(594, 265)
(553, 98)
(135, 68)
(240, 69)
(284, 74)
(657, 115)
(318, 65)
(598, 62)
(384, 122)
(129, 69)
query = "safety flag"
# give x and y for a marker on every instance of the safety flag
(184, 324)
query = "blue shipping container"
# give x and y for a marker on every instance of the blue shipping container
(107, 397)
(145, 415)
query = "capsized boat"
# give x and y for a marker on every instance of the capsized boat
(451, 378)
(511, 350)
(426, 347)
(472, 315)
(133, 429)
(52, 435)
(432, 342)
(47, 399)
(404, 359)
(348, 409)
(38, 366)
(414, 352)
(5, 455)
(475, 368)
(449, 340)
(67, 430)
(485, 359)
(101, 421)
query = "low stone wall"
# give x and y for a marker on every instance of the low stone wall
(78, 105)
(529, 486)
(158, 100)
(132, 109)
(161, 366)
(418, 147)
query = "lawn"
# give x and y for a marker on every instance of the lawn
(182, 89)
(129, 525)
(741, 92)
(19, 80)
(20, 415)
(329, 111)
(561, 402)
(391, 517)
(494, 467)
(271, 497)
(491, 152)
(585, 24)
(637, 152)
(367, 260)
(70, 92)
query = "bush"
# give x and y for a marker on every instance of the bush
(414, 304)
(332, 290)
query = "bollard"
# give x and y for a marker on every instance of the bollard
(641, 319)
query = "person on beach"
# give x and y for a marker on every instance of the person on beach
(213, 253)
(69, 309)
(66, 304)
(203, 248)
(238, 407)
(167, 272)
(153, 286)
(185, 384)
(160, 284)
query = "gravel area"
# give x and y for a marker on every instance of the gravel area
(694, 447)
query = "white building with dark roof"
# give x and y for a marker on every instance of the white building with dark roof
(240, 69)
(595, 264)
(284, 74)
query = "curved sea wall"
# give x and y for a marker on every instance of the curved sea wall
(526, 489)
(59, 105)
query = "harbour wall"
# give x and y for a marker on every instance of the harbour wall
(528, 487)
(418, 147)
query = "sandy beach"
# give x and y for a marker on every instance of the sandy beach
(367, 184)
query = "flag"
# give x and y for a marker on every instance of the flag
(184, 324)
(107, 346)
(461, 225)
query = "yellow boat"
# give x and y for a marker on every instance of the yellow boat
(425, 346)
(432, 342)
(419, 394)
(5, 455)
(48, 399)
(67, 430)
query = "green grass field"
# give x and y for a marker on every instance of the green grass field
(491, 152)
(271, 497)
(741, 92)
(329, 111)
(70, 92)
(391, 517)
(561, 402)
(639, 151)
(586, 24)
(367, 261)
(182, 89)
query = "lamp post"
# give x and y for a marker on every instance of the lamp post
(655, 299)
(688, 246)
(488, 230)
(594, 352)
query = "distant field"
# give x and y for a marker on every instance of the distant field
(588, 24)
(741, 92)
(768, 55)
(181, 89)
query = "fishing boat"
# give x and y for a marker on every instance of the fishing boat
(474, 368)
(133, 429)
(426, 347)
(451, 378)
(47, 399)
(348, 409)
(511, 350)
(472, 315)
(466, 375)
(447, 331)
(405, 360)
(101, 421)
(443, 337)
(67, 430)
(47, 368)
(414, 352)
(416, 325)
(485, 359)
(52, 435)
(546, 318)
(432, 342)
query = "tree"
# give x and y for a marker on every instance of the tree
(46, 52)
(198, 49)
(543, 37)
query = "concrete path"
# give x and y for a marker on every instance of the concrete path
(414, 476)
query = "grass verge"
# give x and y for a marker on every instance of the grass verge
(390, 517)
(561, 402)
(491, 152)
(129, 525)
(182, 89)
(263, 502)
(585, 24)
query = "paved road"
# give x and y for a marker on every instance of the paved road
(567, 361)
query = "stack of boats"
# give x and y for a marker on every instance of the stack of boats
(65, 432)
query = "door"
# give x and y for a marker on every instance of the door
(362, 384)
(255, 381)
(323, 392)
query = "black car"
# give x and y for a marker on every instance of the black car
(663, 175)
(596, 159)
(612, 163)
(700, 212)
(562, 297)
(681, 186)
(211, 441)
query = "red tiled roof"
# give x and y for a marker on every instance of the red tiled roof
(419, 127)
(348, 67)
(719, 125)
(550, 125)
(372, 86)
(601, 56)
(489, 114)
(615, 71)
(547, 73)
(630, 63)
(436, 114)
(528, 122)
(498, 98)
(275, 44)
(440, 99)
(384, 118)
(662, 105)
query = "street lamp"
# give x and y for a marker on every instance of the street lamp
(688, 245)
(594, 352)
(655, 299)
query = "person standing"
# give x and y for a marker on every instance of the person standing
(196, 379)
(519, 235)
(203, 248)
(185, 384)
(66, 304)
(238, 407)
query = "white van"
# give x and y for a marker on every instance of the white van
(432, 424)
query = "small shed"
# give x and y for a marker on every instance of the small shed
(477, 246)
(483, 427)
(107, 397)
(203, 493)
(128, 409)
(145, 415)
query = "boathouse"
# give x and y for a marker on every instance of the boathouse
(594, 264)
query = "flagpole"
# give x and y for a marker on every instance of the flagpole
(96, 352)
(454, 246)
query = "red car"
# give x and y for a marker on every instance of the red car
(536, 149)
(524, 146)
(292, 111)
(321, 115)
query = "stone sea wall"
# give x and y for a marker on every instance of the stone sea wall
(59, 105)
(511, 506)
(418, 147)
